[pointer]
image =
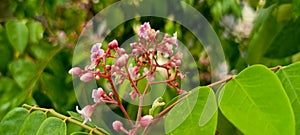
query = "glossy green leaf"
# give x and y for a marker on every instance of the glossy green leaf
(17, 34)
(32, 123)
(225, 127)
(22, 71)
(255, 102)
(52, 126)
(36, 31)
(12, 121)
(195, 114)
(290, 78)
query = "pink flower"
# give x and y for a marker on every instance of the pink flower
(87, 77)
(174, 39)
(113, 44)
(144, 29)
(133, 94)
(75, 71)
(134, 71)
(96, 54)
(86, 113)
(146, 120)
(121, 61)
(117, 125)
(98, 94)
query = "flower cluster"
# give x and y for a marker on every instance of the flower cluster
(145, 55)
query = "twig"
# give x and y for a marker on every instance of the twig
(65, 118)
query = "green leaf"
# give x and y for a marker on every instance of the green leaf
(80, 133)
(225, 127)
(290, 76)
(54, 87)
(52, 126)
(195, 114)
(22, 71)
(32, 123)
(296, 7)
(274, 34)
(9, 89)
(12, 121)
(17, 34)
(286, 42)
(256, 103)
(36, 31)
(6, 51)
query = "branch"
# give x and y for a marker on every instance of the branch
(65, 118)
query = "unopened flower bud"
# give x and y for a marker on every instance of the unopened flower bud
(110, 94)
(182, 76)
(108, 67)
(75, 71)
(87, 77)
(133, 94)
(117, 125)
(121, 51)
(146, 120)
(97, 77)
(178, 62)
(122, 60)
(181, 92)
(113, 44)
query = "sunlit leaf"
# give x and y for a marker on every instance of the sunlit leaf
(290, 78)
(195, 114)
(255, 102)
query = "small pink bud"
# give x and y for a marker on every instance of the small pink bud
(182, 76)
(113, 44)
(181, 92)
(121, 51)
(172, 64)
(87, 77)
(117, 125)
(75, 71)
(146, 120)
(108, 67)
(133, 94)
(178, 62)
(110, 94)
(97, 77)
(122, 60)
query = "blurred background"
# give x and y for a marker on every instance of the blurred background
(38, 37)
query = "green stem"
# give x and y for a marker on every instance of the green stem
(65, 118)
